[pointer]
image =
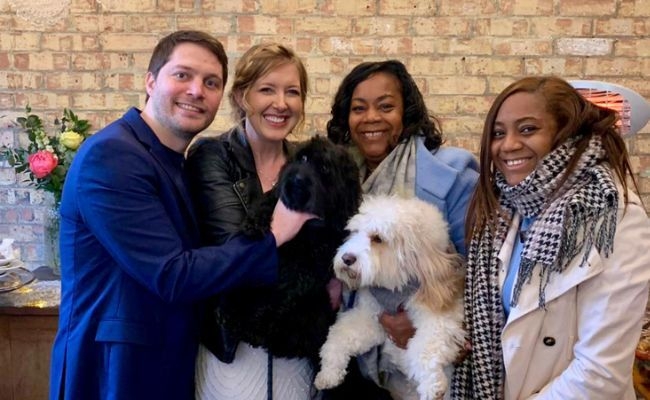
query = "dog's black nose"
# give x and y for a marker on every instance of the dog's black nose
(348, 259)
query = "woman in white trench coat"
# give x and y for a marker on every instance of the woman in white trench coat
(558, 260)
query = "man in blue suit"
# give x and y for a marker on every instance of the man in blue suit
(132, 273)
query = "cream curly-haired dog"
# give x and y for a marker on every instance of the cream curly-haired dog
(398, 249)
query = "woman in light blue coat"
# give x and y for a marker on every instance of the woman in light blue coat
(380, 114)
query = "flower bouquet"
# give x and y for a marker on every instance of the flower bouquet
(45, 162)
(47, 157)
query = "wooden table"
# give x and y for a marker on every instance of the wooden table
(28, 323)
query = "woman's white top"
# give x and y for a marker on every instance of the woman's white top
(246, 377)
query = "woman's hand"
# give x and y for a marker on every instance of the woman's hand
(398, 326)
(464, 352)
(335, 290)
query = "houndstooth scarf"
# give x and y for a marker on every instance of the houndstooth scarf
(579, 214)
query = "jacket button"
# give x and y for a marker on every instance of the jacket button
(549, 341)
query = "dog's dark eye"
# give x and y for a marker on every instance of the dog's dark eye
(376, 239)
(304, 159)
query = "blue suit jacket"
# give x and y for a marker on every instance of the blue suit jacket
(131, 276)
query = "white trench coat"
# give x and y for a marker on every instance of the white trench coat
(582, 346)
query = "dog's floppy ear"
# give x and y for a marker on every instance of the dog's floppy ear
(442, 278)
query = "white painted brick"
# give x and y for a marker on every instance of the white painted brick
(585, 46)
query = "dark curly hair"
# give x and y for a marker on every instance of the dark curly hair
(416, 119)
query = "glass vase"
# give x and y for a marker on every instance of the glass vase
(52, 252)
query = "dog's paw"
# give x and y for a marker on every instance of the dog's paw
(327, 379)
(432, 390)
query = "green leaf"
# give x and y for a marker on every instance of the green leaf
(33, 120)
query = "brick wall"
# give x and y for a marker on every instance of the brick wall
(92, 56)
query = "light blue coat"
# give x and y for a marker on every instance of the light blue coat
(446, 178)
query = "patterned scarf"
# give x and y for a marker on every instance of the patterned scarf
(394, 175)
(578, 215)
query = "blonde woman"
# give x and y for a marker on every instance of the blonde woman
(227, 174)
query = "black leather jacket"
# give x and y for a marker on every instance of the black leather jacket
(223, 183)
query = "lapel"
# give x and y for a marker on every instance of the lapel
(505, 253)
(247, 185)
(165, 160)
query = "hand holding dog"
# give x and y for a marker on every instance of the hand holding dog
(398, 327)
(334, 290)
(286, 223)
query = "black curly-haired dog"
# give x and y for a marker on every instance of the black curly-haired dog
(292, 318)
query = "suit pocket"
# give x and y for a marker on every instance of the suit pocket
(129, 332)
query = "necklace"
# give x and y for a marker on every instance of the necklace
(267, 181)
(269, 159)
(269, 176)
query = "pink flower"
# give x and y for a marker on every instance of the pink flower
(42, 163)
